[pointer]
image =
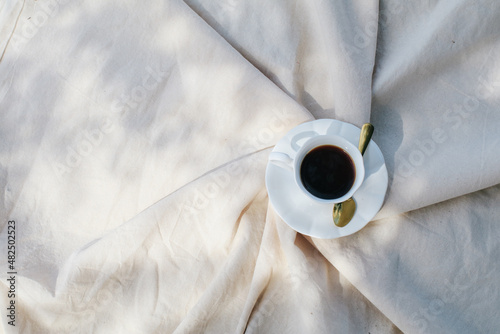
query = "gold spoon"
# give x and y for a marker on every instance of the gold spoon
(344, 211)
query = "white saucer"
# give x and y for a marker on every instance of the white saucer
(312, 218)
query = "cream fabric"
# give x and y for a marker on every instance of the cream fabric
(134, 142)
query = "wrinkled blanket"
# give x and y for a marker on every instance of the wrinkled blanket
(134, 139)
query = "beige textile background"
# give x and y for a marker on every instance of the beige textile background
(133, 144)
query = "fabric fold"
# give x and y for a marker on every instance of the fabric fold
(96, 132)
(376, 48)
(435, 102)
(437, 280)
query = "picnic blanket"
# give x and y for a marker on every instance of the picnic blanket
(134, 139)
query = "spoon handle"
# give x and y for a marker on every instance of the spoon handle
(365, 136)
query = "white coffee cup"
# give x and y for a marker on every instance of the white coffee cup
(294, 163)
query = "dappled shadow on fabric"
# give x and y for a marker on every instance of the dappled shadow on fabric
(125, 106)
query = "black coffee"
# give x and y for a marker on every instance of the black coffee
(327, 172)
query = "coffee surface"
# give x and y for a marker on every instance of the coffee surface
(327, 172)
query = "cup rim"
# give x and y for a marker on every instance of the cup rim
(334, 140)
